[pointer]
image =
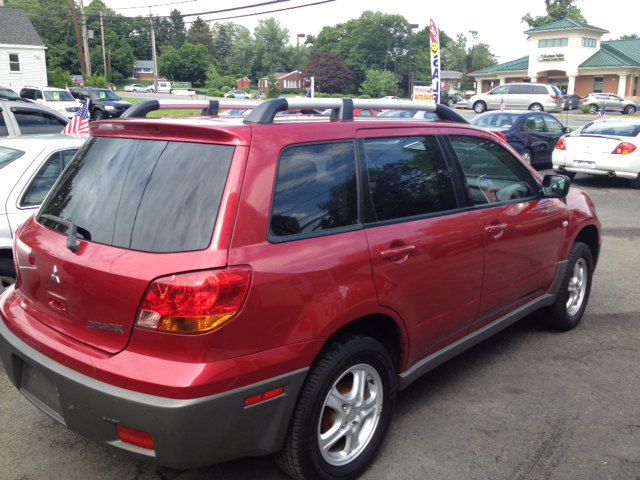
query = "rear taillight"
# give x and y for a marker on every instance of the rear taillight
(624, 148)
(555, 97)
(500, 134)
(194, 302)
(584, 99)
(561, 144)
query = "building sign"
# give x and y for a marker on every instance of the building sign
(423, 94)
(550, 58)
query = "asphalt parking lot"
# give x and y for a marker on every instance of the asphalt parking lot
(527, 404)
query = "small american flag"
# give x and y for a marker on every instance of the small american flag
(66, 87)
(502, 105)
(79, 124)
(601, 113)
(308, 95)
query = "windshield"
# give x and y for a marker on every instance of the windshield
(609, 128)
(496, 120)
(7, 92)
(58, 96)
(8, 155)
(398, 113)
(103, 95)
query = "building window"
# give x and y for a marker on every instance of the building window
(597, 84)
(290, 84)
(635, 87)
(14, 62)
(589, 42)
(553, 42)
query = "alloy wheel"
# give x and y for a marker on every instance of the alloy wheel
(577, 287)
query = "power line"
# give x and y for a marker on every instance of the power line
(152, 6)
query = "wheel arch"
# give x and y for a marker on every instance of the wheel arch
(591, 238)
(6, 253)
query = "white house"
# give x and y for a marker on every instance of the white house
(22, 51)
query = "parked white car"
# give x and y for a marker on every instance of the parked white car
(57, 99)
(29, 166)
(603, 147)
(238, 94)
(136, 87)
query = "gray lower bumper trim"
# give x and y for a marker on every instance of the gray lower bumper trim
(430, 362)
(187, 433)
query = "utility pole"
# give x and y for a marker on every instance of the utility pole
(83, 69)
(104, 54)
(410, 78)
(300, 35)
(230, 64)
(109, 62)
(153, 56)
(85, 38)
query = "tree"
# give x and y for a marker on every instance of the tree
(556, 10)
(58, 78)
(379, 83)
(200, 34)
(215, 80)
(454, 55)
(178, 33)
(331, 75)
(189, 63)
(272, 86)
(270, 52)
(222, 41)
(631, 36)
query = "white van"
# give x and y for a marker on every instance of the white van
(165, 87)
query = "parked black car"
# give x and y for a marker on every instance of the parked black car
(571, 102)
(533, 134)
(449, 100)
(103, 103)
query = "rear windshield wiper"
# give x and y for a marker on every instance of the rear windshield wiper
(72, 231)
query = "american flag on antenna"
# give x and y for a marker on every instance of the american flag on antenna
(308, 95)
(79, 124)
(502, 105)
(66, 87)
(601, 113)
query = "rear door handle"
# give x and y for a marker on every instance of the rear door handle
(394, 252)
(495, 229)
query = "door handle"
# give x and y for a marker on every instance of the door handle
(391, 253)
(495, 229)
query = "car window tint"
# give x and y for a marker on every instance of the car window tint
(148, 195)
(613, 128)
(520, 89)
(408, 176)
(492, 174)
(315, 189)
(364, 113)
(534, 124)
(3, 126)
(45, 178)
(35, 121)
(539, 89)
(8, 155)
(553, 125)
(496, 120)
(501, 90)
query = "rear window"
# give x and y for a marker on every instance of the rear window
(8, 155)
(610, 128)
(146, 195)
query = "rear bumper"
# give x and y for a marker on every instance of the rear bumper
(187, 433)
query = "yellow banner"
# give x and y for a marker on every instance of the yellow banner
(423, 94)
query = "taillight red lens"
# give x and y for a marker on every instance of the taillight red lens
(625, 148)
(561, 144)
(194, 302)
(555, 97)
(135, 437)
(500, 134)
(584, 99)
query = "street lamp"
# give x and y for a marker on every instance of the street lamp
(410, 80)
(300, 35)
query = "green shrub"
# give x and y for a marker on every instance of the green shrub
(213, 92)
(272, 86)
(96, 81)
(59, 78)
(246, 89)
(364, 96)
(231, 96)
(322, 95)
(584, 108)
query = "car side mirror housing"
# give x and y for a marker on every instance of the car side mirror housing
(555, 186)
(566, 130)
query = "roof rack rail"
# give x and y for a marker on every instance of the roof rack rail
(209, 107)
(342, 108)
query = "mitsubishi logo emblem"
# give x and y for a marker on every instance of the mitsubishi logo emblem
(54, 275)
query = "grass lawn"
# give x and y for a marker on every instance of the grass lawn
(164, 113)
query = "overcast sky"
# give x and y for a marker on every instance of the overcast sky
(497, 22)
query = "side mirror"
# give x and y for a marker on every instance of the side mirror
(555, 186)
(566, 130)
(40, 101)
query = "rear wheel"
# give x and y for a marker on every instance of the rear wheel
(593, 108)
(635, 183)
(536, 107)
(629, 109)
(7, 273)
(526, 155)
(571, 175)
(479, 107)
(567, 311)
(343, 412)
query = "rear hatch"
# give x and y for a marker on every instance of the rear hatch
(148, 208)
(602, 138)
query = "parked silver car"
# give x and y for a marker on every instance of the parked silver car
(541, 97)
(136, 87)
(596, 101)
(238, 94)
(29, 166)
(20, 116)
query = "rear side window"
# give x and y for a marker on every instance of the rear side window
(408, 176)
(539, 90)
(8, 155)
(46, 177)
(36, 121)
(146, 195)
(492, 174)
(315, 189)
(520, 89)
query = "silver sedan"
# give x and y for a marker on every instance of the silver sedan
(136, 87)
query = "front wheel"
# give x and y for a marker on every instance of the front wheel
(629, 109)
(536, 107)
(567, 311)
(450, 103)
(343, 412)
(98, 115)
(479, 107)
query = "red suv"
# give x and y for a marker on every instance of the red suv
(199, 289)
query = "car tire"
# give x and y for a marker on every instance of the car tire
(629, 109)
(565, 314)
(479, 107)
(98, 115)
(536, 107)
(171, 91)
(593, 108)
(526, 155)
(450, 103)
(571, 175)
(7, 273)
(344, 373)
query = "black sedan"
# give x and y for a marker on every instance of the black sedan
(532, 134)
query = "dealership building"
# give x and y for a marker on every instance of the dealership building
(571, 56)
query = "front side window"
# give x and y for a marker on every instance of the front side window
(492, 174)
(408, 176)
(46, 177)
(553, 125)
(315, 190)
(534, 124)
(501, 90)
(521, 89)
(36, 121)
(14, 62)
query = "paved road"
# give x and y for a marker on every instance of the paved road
(527, 404)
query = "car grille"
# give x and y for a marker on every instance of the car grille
(72, 109)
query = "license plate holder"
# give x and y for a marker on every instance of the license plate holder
(584, 163)
(42, 391)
